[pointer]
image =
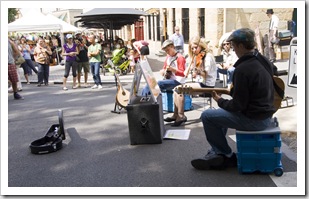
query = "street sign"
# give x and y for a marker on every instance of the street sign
(292, 72)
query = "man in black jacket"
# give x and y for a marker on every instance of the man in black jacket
(250, 109)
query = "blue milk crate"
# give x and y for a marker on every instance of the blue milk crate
(259, 151)
(168, 101)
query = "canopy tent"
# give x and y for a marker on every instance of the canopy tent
(66, 27)
(38, 22)
(109, 18)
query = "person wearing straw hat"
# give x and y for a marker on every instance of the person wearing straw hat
(173, 69)
(273, 32)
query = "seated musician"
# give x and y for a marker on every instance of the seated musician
(229, 58)
(173, 69)
(203, 64)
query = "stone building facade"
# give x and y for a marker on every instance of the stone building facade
(211, 23)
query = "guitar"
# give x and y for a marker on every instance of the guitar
(190, 90)
(123, 95)
(277, 98)
(168, 74)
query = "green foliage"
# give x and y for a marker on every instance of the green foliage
(12, 13)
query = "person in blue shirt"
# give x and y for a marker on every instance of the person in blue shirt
(178, 41)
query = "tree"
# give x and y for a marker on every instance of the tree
(12, 14)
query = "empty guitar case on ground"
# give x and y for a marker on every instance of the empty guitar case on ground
(52, 141)
(145, 118)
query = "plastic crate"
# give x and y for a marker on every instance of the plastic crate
(168, 102)
(259, 151)
(263, 162)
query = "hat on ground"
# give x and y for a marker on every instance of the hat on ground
(167, 43)
(69, 36)
(269, 11)
(242, 35)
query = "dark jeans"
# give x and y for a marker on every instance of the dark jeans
(43, 73)
(164, 85)
(28, 66)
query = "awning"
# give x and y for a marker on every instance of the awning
(109, 18)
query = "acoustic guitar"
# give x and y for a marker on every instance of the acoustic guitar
(123, 95)
(190, 90)
(168, 74)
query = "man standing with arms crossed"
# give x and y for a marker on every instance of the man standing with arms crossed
(94, 60)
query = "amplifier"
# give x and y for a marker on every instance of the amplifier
(145, 118)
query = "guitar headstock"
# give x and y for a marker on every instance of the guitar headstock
(183, 89)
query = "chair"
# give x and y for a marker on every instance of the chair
(209, 100)
(219, 60)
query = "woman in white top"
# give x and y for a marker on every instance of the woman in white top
(203, 68)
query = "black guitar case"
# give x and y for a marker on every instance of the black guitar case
(52, 141)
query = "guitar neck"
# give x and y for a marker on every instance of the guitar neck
(190, 90)
(118, 80)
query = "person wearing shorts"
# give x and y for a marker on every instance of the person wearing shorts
(83, 59)
(12, 73)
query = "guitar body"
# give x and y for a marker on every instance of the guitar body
(122, 97)
(277, 98)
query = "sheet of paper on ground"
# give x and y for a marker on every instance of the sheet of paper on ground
(177, 134)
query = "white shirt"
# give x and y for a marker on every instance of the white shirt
(229, 57)
(211, 68)
(274, 22)
(178, 40)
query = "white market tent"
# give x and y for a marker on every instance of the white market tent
(38, 22)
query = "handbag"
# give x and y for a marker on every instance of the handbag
(19, 60)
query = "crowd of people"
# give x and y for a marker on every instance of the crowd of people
(80, 53)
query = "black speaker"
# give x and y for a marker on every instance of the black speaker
(145, 118)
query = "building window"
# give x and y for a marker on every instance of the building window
(158, 27)
(202, 22)
(149, 27)
(153, 27)
(174, 18)
(185, 24)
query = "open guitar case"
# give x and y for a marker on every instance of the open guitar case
(52, 141)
